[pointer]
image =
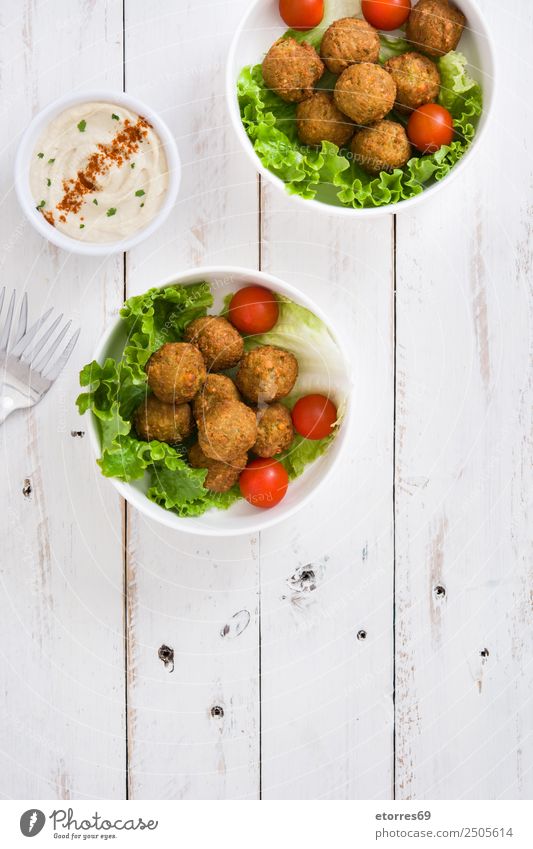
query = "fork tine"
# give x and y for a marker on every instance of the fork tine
(23, 318)
(55, 370)
(40, 343)
(23, 343)
(47, 356)
(4, 339)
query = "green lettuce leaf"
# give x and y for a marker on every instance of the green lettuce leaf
(160, 316)
(301, 453)
(320, 363)
(330, 174)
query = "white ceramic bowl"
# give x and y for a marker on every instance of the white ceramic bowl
(262, 25)
(241, 518)
(27, 147)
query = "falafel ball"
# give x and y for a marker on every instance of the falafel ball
(382, 147)
(176, 372)
(318, 120)
(347, 41)
(227, 430)
(435, 26)
(170, 423)
(220, 344)
(292, 69)
(217, 387)
(267, 374)
(274, 430)
(365, 92)
(220, 475)
(417, 80)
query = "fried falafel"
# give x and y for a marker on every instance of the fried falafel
(176, 372)
(365, 92)
(266, 374)
(318, 120)
(292, 69)
(417, 80)
(347, 41)
(383, 146)
(217, 387)
(154, 419)
(220, 344)
(435, 27)
(275, 431)
(221, 476)
(228, 429)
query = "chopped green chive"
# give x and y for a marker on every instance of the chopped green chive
(95, 202)
(142, 204)
(82, 125)
(48, 182)
(40, 155)
(41, 204)
(139, 193)
(132, 164)
(115, 117)
(111, 212)
(51, 161)
(82, 226)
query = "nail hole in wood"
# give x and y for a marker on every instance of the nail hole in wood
(217, 712)
(361, 635)
(26, 488)
(80, 433)
(440, 591)
(484, 653)
(166, 654)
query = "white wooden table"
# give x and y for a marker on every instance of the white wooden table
(381, 643)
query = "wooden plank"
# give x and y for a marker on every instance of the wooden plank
(327, 575)
(463, 476)
(193, 722)
(61, 677)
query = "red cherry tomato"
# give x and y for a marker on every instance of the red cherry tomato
(386, 14)
(253, 309)
(313, 416)
(264, 483)
(301, 14)
(429, 127)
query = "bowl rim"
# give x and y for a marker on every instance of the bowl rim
(365, 212)
(26, 146)
(265, 518)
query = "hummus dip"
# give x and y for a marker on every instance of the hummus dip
(99, 172)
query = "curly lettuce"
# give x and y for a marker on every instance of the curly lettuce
(330, 174)
(116, 388)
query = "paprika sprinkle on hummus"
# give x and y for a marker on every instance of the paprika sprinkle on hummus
(99, 172)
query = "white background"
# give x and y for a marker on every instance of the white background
(435, 489)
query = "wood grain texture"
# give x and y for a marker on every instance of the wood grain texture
(193, 731)
(327, 574)
(463, 475)
(62, 718)
(266, 665)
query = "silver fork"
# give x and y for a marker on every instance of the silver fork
(28, 366)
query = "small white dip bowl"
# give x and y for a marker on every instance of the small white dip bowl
(26, 151)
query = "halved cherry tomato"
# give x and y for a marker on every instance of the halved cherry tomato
(253, 309)
(313, 416)
(301, 14)
(429, 127)
(386, 14)
(264, 483)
